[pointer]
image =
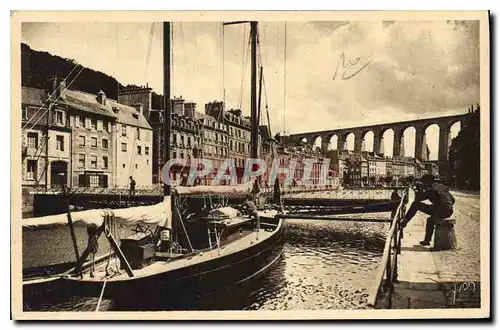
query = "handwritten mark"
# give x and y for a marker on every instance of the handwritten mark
(346, 65)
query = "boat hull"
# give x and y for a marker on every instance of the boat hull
(198, 278)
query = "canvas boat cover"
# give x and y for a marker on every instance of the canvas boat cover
(159, 214)
(239, 189)
(225, 212)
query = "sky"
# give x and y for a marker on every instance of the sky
(317, 75)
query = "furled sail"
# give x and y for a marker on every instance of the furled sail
(158, 214)
(239, 189)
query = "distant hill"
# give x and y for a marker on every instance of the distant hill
(38, 67)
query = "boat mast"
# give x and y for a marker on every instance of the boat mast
(167, 111)
(259, 102)
(253, 95)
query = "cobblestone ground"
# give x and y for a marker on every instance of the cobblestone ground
(460, 270)
(462, 264)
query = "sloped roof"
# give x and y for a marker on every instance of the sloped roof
(85, 102)
(33, 96)
(88, 102)
(126, 114)
(201, 115)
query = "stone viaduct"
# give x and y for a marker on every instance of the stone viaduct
(420, 126)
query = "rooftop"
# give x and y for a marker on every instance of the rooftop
(33, 96)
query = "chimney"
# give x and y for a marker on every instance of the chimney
(62, 89)
(101, 97)
(138, 107)
(189, 109)
(53, 85)
(56, 88)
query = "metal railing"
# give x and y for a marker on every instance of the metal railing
(387, 273)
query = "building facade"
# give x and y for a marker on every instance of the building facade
(133, 146)
(93, 141)
(92, 152)
(46, 140)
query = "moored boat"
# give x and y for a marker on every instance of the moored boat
(171, 251)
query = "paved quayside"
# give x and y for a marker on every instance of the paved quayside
(441, 279)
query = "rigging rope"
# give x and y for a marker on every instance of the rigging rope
(117, 58)
(243, 66)
(223, 87)
(46, 111)
(50, 96)
(134, 146)
(197, 62)
(148, 55)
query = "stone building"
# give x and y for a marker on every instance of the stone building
(46, 162)
(134, 145)
(239, 138)
(465, 153)
(185, 144)
(92, 148)
(214, 140)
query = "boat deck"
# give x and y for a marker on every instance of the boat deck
(164, 266)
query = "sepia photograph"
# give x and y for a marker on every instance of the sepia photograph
(250, 165)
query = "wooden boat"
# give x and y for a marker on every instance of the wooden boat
(170, 252)
(220, 251)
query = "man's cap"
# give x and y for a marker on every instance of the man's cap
(429, 178)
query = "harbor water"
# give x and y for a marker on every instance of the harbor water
(325, 265)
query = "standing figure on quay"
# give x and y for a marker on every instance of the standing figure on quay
(430, 188)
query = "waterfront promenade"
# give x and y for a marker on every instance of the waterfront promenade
(442, 279)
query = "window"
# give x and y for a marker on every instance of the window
(182, 139)
(124, 130)
(182, 155)
(136, 166)
(123, 165)
(23, 114)
(30, 112)
(59, 117)
(124, 147)
(87, 123)
(174, 155)
(81, 141)
(94, 124)
(80, 121)
(93, 161)
(105, 125)
(99, 125)
(146, 150)
(138, 133)
(33, 140)
(93, 180)
(81, 160)
(104, 143)
(60, 142)
(105, 161)
(31, 169)
(93, 142)
(189, 141)
(139, 150)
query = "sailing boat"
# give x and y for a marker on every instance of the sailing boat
(198, 252)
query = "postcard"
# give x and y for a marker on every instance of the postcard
(250, 165)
